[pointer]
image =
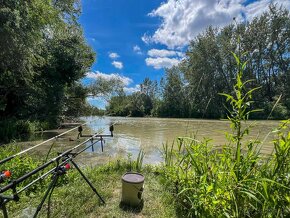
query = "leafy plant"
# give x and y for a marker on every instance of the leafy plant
(234, 180)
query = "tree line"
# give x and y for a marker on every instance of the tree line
(192, 88)
(43, 55)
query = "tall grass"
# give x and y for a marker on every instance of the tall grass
(235, 180)
(12, 129)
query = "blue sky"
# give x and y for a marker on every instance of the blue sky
(135, 39)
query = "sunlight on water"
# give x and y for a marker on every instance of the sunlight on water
(149, 134)
(133, 134)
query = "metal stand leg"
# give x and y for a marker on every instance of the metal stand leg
(102, 144)
(3, 207)
(89, 183)
(50, 188)
(49, 200)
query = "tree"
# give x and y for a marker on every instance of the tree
(173, 104)
(43, 53)
(210, 69)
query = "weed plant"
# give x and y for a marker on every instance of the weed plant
(235, 180)
(13, 129)
(76, 199)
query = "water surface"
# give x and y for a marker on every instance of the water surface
(149, 134)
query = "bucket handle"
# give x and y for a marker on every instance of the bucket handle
(140, 193)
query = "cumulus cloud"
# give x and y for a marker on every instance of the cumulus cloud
(137, 49)
(257, 8)
(99, 102)
(164, 53)
(95, 75)
(163, 58)
(183, 20)
(117, 64)
(161, 62)
(114, 55)
(130, 90)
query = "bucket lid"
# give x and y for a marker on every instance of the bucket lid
(133, 178)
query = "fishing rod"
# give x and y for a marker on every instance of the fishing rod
(56, 171)
(35, 146)
(22, 178)
(53, 169)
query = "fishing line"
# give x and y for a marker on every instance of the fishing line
(53, 169)
(22, 178)
(35, 146)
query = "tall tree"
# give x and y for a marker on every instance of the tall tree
(173, 104)
(42, 53)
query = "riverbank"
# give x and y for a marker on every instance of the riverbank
(194, 179)
(73, 197)
(148, 134)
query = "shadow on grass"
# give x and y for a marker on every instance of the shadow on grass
(128, 208)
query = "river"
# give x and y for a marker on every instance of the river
(149, 134)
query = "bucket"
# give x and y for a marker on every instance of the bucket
(132, 189)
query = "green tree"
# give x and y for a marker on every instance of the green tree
(209, 68)
(43, 53)
(173, 104)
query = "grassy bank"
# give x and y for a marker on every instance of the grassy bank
(236, 179)
(73, 197)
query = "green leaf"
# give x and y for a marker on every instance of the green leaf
(236, 58)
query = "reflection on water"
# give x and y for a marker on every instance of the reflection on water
(133, 134)
(42, 135)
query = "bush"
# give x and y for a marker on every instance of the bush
(13, 129)
(234, 180)
(19, 166)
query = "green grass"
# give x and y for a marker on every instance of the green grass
(74, 198)
(235, 180)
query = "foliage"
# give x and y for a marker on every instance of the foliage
(234, 180)
(209, 69)
(43, 53)
(133, 165)
(137, 104)
(19, 129)
(173, 93)
(73, 197)
(191, 88)
(19, 166)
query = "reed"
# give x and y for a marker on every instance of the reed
(234, 180)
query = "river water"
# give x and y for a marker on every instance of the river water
(149, 134)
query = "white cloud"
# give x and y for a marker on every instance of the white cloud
(146, 38)
(117, 64)
(161, 62)
(183, 20)
(99, 102)
(164, 53)
(113, 55)
(130, 90)
(257, 8)
(137, 49)
(95, 75)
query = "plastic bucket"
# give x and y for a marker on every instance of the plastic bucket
(132, 189)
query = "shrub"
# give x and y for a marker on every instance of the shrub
(13, 129)
(234, 180)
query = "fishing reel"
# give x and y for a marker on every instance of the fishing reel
(61, 170)
(6, 174)
(80, 130)
(112, 129)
